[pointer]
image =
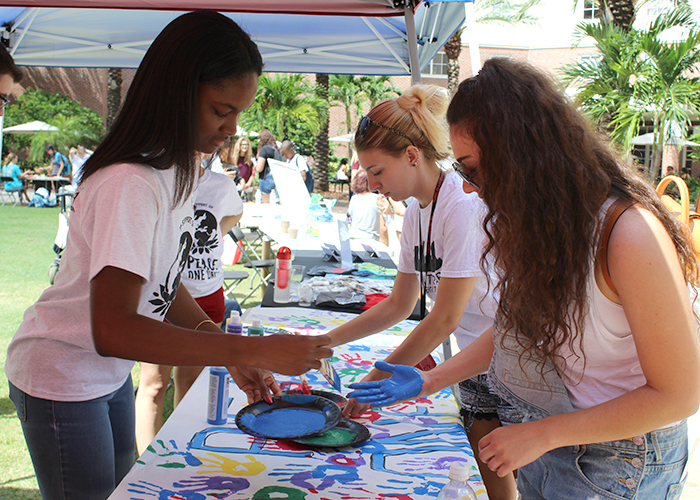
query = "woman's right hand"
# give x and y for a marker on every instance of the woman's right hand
(294, 354)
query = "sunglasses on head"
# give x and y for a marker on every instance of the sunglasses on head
(366, 121)
(468, 178)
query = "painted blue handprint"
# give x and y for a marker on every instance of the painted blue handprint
(405, 382)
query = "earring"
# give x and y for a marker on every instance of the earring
(414, 164)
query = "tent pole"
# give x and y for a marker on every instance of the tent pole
(412, 43)
(470, 20)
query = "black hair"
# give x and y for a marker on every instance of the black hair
(157, 125)
(8, 66)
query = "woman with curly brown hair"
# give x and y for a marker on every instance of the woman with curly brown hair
(594, 337)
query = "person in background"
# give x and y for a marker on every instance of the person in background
(77, 156)
(342, 173)
(366, 221)
(16, 185)
(242, 157)
(595, 339)
(131, 232)
(402, 144)
(10, 74)
(298, 163)
(267, 148)
(60, 166)
(217, 209)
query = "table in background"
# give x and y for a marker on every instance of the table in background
(408, 456)
(47, 181)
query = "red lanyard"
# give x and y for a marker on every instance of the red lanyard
(425, 257)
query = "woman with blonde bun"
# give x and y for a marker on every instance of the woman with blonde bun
(401, 144)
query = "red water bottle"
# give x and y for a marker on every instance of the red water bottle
(283, 271)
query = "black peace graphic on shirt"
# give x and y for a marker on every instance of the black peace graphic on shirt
(166, 292)
(206, 233)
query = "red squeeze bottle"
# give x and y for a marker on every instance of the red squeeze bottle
(283, 269)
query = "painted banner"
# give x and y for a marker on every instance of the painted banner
(408, 456)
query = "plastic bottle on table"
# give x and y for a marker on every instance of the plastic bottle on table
(457, 488)
(283, 271)
(256, 330)
(217, 408)
(234, 325)
(258, 196)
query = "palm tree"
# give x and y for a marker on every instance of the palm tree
(320, 168)
(280, 100)
(641, 77)
(347, 91)
(488, 11)
(71, 131)
(377, 89)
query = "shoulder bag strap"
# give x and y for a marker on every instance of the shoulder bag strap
(614, 212)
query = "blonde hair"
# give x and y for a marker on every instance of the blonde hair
(9, 158)
(418, 114)
(235, 153)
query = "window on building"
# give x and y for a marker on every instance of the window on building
(438, 66)
(591, 9)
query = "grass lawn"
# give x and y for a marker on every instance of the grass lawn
(26, 246)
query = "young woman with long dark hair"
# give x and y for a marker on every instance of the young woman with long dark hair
(131, 231)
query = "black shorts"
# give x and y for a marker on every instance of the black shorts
(479, 403)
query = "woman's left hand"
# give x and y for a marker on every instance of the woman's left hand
(255, 382)
(510, 447)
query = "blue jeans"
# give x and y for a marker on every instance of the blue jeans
(648, 467)
(266, 184)
(80, 450)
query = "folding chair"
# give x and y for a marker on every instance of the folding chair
(8, 196)
(231, 281)
(253, 237)
(236, 233)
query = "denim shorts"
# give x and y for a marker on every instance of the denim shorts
(648, 467)
(266, 184)
(82, 449)
(479, 403)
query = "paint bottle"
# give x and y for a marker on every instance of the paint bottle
(283, 272)
(256, 330)
(217, 409)
(234, 325)
(457, 488)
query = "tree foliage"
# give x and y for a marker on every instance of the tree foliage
(76, 124)
(640, 77)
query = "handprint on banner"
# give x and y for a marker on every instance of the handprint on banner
(198, 488)
(174, 458)
(227, 465)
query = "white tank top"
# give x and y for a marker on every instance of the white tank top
(611, 366)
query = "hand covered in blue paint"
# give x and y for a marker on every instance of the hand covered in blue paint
(405, 382)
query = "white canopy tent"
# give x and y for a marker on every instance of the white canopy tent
(30, 128)
(648, 140)
(373, 37)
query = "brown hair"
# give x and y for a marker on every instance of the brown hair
(545, 175)
(359, 183)
(418, 114)
(266, 139)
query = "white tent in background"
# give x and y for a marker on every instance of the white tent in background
(30, 128)
(648, 140)
(348, 138)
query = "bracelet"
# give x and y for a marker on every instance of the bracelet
(202, 322)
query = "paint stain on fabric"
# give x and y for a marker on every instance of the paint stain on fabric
(285, 422)
(332, 437)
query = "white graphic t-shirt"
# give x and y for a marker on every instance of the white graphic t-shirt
(122, 216)
(217, 197)
(457, 240)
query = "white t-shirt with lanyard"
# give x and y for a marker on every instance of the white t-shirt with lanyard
(298, 163)
(457, 240)
(122, 216)
(217, 197)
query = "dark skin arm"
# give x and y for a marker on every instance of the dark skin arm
(118, 330)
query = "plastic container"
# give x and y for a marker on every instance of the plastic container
(457, 488)
(256, 330)
(283, 271)
(234, 325)
(217, 408)
(258, 197)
